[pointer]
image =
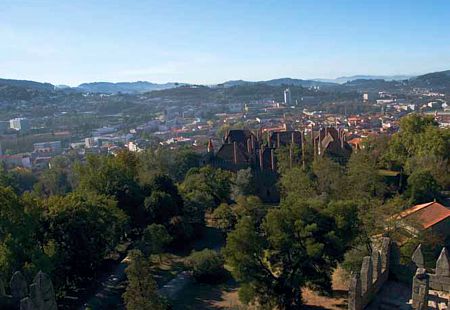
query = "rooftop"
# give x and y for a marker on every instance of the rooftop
(427, 214)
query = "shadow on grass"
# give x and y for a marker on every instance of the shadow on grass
(166, 268)
(208, 295)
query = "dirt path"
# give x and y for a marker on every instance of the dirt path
(212, 239)
(109, 294)
(171, 289)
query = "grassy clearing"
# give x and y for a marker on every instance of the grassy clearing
(166, 267)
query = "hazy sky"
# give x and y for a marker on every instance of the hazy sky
(74, 41)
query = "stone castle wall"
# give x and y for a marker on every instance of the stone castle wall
(374, 273)
(423, 281)
(39, 295)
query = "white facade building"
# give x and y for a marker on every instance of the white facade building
(287, 96)
(19, 124)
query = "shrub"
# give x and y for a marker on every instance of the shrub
(206, 265)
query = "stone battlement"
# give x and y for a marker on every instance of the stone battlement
(424, 282)
(38, 296)
(374, 273)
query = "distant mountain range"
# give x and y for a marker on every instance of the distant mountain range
(345, 79)
(124, 87)
(278, 82)
(436, 80)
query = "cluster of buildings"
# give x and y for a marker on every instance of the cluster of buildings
(268, 124)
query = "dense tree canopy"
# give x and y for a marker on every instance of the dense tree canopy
(114, 176)
(419, 136)
(82, 229)
(296, 245)
(18, 234)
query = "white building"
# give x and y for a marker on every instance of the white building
(366, 97)
(287, 96)
(19, 124)
(90, 142)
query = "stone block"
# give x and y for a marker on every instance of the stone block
(42, 292)
(18, 285)
(354, 293)
(385, 253)
(376, 260)
(417, 257)
(366, 274)
(420, 290)
(442, 264)
(27, 304)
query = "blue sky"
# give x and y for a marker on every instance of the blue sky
(69, 42)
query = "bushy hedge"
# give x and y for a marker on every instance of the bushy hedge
(206, 265)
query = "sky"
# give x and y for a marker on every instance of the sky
(199, 41)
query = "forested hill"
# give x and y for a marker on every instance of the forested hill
(17, 90)
(27, 84)
(436, 80)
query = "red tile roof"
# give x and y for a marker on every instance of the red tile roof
(427, 214)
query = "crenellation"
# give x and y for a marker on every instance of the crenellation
(18, 285)
(420, 290)
(442, 264)
(423, 281)
(374, 272)
(366, 274)
(377, 267)
(417, 257)
(385, 253)
(39, 296)
(354, 293)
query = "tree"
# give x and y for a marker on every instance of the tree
(153, 162)
(224, 217)
(19, 228)
(154, 239)
(243, 184)
(141, 292)
(53, 182)
(196, 203)
(83, 228)
(184, 160)
(115, 176)
(418, 136)
(363, 179)
(215, 182)
(161, 207)
(295, 182)
(422, 187)
(288, 157)
(329, 177)
(206, 265)
(165, 206)
(7, 179)
(437, 166)
(249, 206)
(163, 161)
(23, 178)
(295, 246)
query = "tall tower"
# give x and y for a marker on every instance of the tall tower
(287, 96)
(210, 147)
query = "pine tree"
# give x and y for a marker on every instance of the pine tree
(141, 291)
